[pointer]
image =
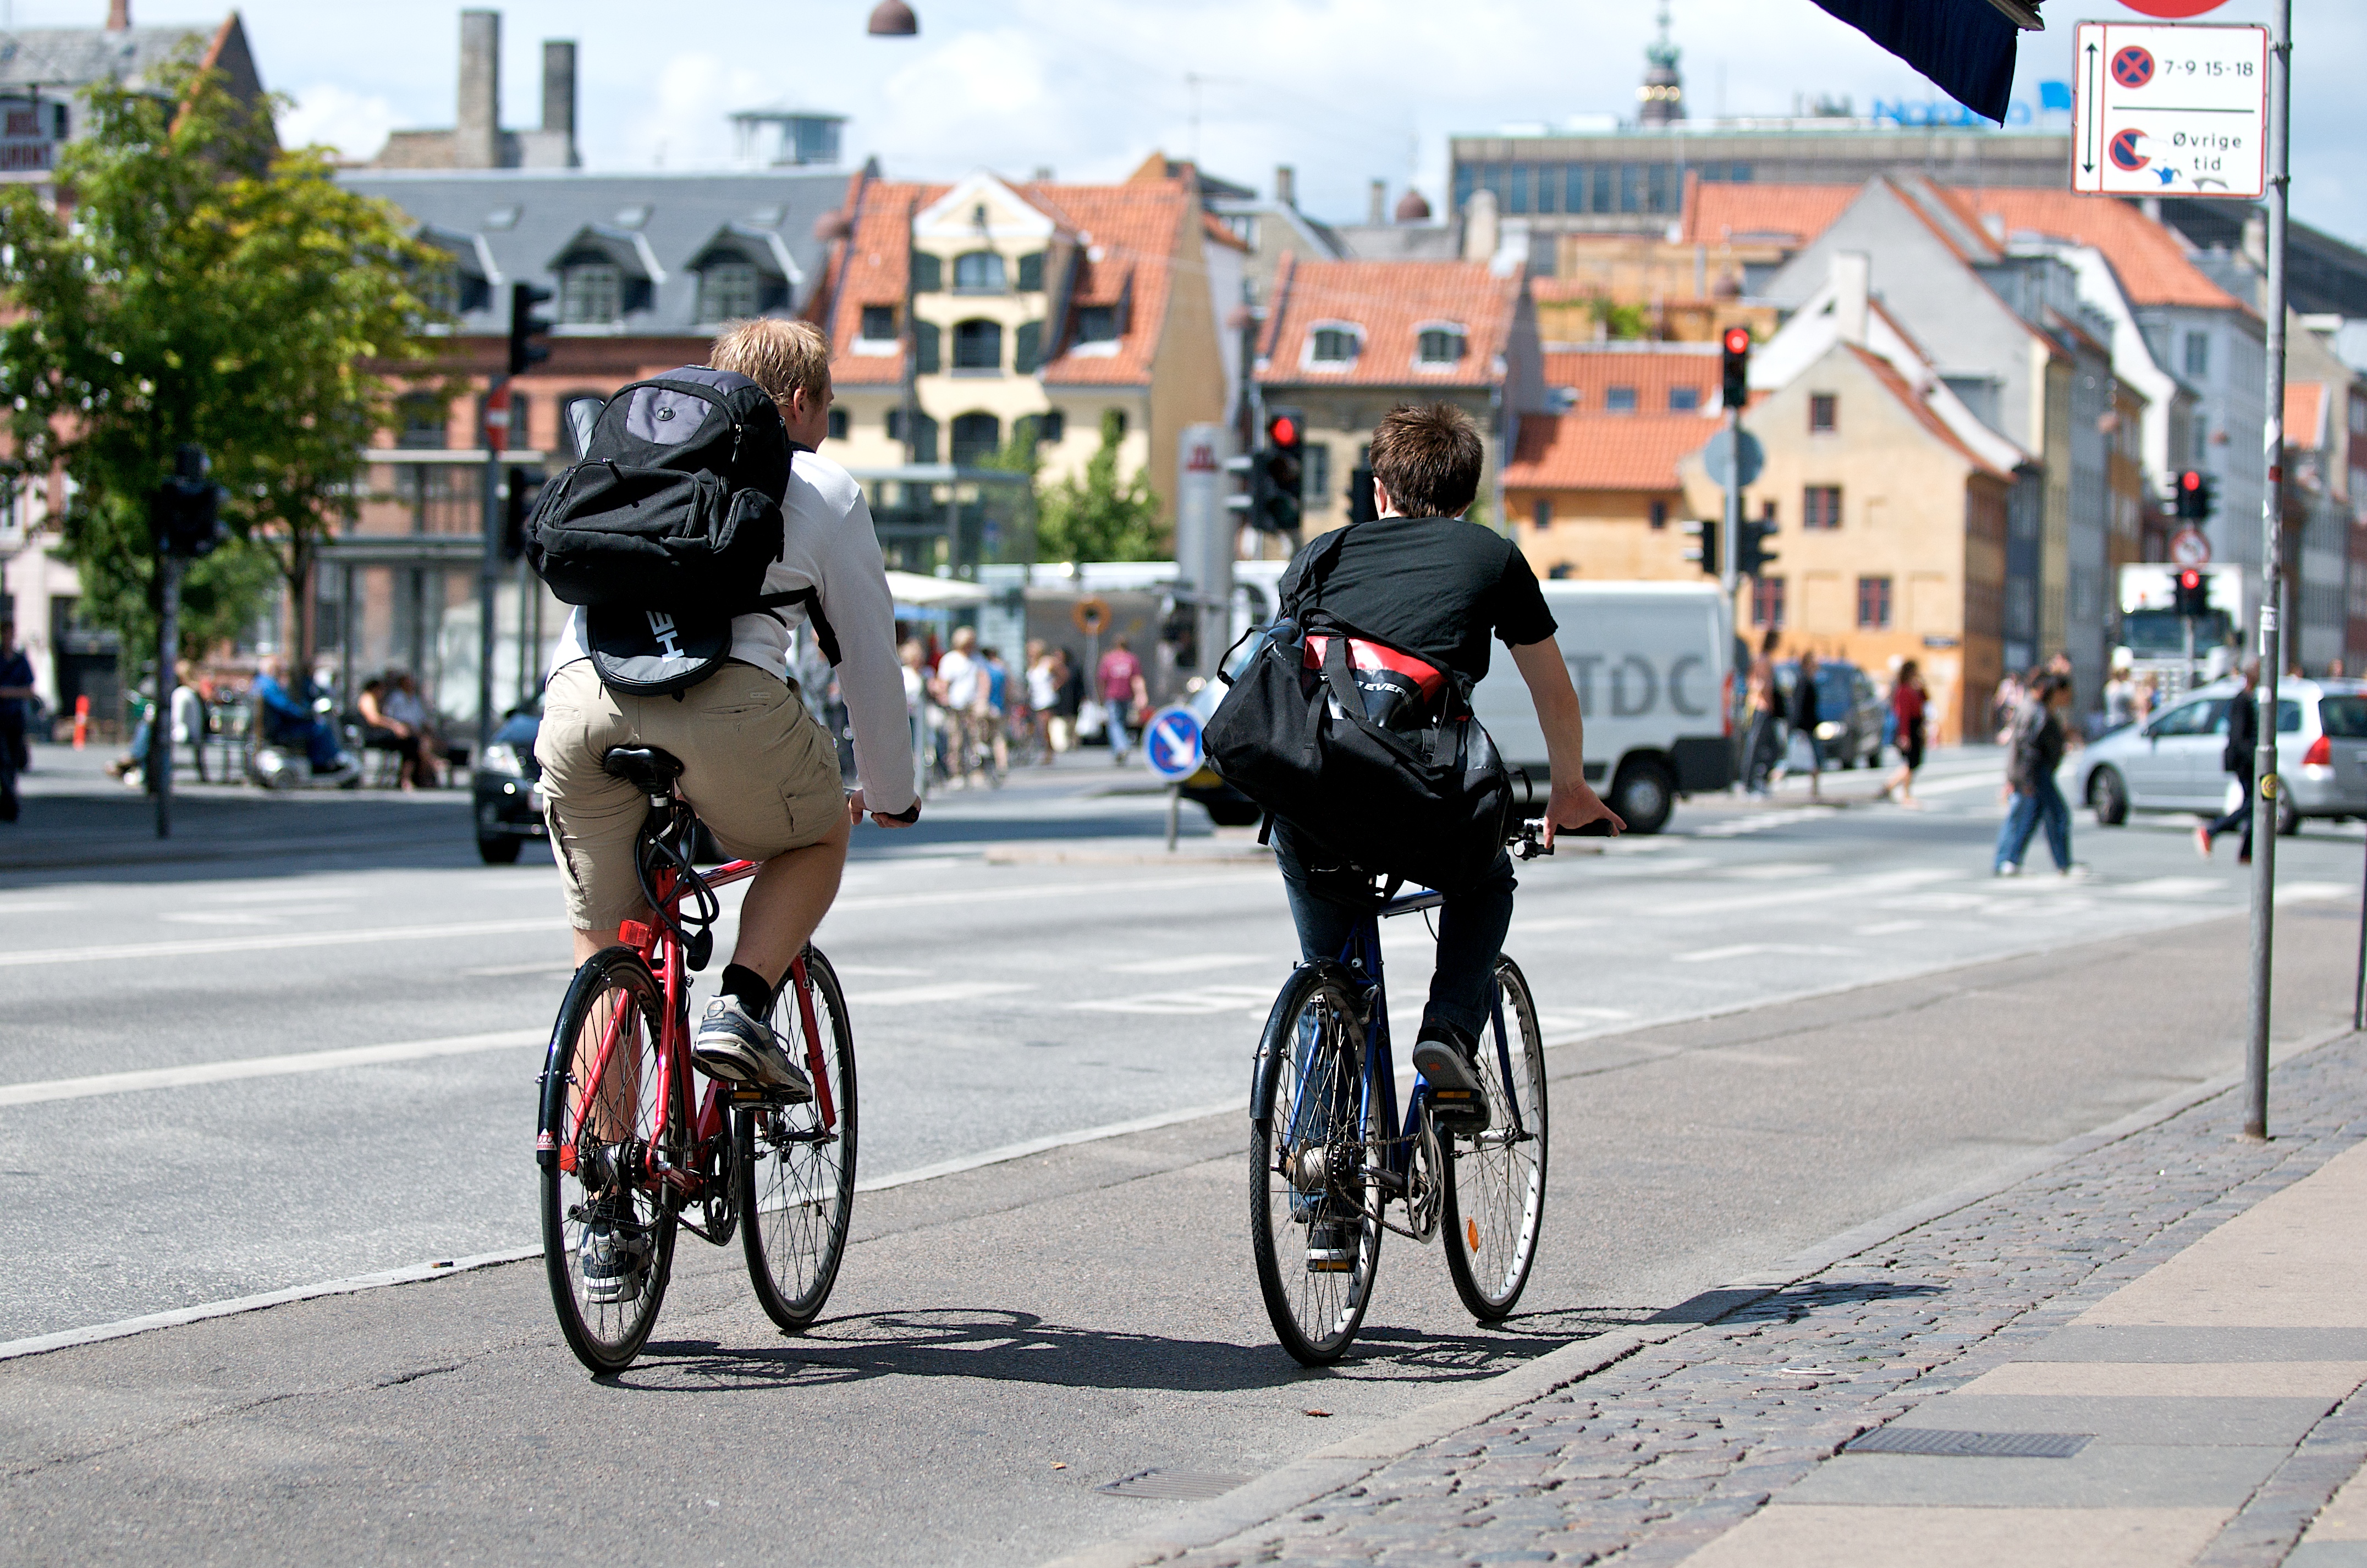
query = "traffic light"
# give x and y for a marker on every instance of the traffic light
(2195, 495)
(1283, 470)
(184, 512)
(524, 486)
(1703, 551)
(1751, 556)
(1737, 344)
(1362, 508)
(526, 328)
(2190, 594)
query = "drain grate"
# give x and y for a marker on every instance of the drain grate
(1174, 1486)
(1970, 1445)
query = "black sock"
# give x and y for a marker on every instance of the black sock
(744, 983)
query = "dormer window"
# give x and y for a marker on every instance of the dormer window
(879, 323)
(591, 294)
(1334, 346)
(729, 290)
(979, 271)
(1439, 347)
(1097, 323)
(977, 346)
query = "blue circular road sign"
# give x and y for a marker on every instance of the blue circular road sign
(1171, 744)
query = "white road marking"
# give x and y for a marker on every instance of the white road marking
(1888, 928)
(265, 1066)
(1948, 786)
(876, 971)
(1558, 923)
(1200, 1000)
(2302, 892)
(2173, 888)
(1777, 871)
(1046, 889)
(945, 991)
(28, 958)
(37, 907)
(1741, 825)
(497, 971)
(1863, 887)
(1188, 964)
(1746, 948)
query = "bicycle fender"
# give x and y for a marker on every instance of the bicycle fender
(1284, 1005)
(551, 1095)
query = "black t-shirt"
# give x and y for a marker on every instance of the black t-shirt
(1433, 586)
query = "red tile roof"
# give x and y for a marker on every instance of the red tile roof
(1650, 369)
(2150, 259)
(1128, 236)
(1576, 452)
(1790, 216)
(2305, 404)
(1390, 303)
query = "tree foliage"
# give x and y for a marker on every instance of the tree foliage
(195, 284)
(1099, 518)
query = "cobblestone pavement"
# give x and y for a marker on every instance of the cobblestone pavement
(1648, 1459)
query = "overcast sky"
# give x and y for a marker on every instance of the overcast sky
(1346, 90)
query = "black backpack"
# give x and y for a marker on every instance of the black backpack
(1356, 745)
(664, 530)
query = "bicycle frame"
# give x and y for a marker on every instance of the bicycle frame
(659, 947)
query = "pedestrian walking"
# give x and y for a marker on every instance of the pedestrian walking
(1762, 718)
(2033, 749)
(960, 689)
(2243, 734)
(16, 697)
(1125, 694)
(2120, 695)
(1907, 696)
(1804, 716)
(1068, 703)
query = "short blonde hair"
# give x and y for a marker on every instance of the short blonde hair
(781, 356)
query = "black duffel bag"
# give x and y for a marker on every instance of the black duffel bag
(1425, 798)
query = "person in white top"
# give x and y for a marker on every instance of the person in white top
(761, 772)
(960, 690)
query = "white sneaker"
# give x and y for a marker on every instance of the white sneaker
(737, 1048)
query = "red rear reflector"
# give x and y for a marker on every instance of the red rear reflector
(2320, 753)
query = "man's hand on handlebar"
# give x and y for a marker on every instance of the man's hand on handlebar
(855, 812)
(1574, 808)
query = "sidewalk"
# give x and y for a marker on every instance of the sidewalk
(2150, 1353)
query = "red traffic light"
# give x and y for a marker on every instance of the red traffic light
(2190, 480)
(1283, 430)
(1738, 340)
(2190, 579)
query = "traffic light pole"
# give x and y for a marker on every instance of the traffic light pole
(1729, 555)
(160, 723)
(488, 567)
(2267, 788)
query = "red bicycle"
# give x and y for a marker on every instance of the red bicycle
(627, 1161)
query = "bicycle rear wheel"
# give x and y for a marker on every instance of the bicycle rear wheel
(1316, 1236)
(796, 1176)
(1494, 1205)
(603, 1090)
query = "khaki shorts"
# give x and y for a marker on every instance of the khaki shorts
(761, 773)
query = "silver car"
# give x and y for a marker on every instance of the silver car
(2173, 760)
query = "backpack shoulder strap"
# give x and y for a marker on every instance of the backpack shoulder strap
(812, 599)
(1318, 567)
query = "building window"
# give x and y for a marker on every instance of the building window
(1874, 604)
(1549, 187)
(1316, 491)
(978, 346)
(920, 432)
(981, 272)
(727, 291)
(1541, 510)
(1573, 187)
(1097, 323)
(1820, 507)
(1051, 425)
(423, 423)
(1767, 602)
(1516, 191)
(977, 437)
(1334, 346)
(878, 323)
(1440, 346)
(838, 424)
(2197, 353)
(1684, 400)
(1824, 413)
(1621, 400)
(1660, 514)
(1116, 421)
(591, 294)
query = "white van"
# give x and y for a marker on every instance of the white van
(1652, 662)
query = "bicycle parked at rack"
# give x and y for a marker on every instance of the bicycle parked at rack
(1328, 1154)
(629, 1155)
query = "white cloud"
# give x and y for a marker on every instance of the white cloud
(356, 124)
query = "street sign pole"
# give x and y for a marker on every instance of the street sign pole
(2267, 788)
(488, 567)
(160, 723)
(1731, 545)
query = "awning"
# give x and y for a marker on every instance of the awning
(932, 593)
(1964, 48)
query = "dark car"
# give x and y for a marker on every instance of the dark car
(1227, 806)
(505, 782)
(1849, 711)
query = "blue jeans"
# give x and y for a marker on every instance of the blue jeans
(315, 735)
(1471, 928)
(2042, 804)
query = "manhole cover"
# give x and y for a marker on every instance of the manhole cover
(1970, 1445)
(1174, 1486)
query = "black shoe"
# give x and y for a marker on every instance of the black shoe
(1331, 1245)
(1447, 1060)
(739, 1049)
(614, 1260)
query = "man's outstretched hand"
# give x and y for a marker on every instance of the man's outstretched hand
(855, 812)
(1572, 806)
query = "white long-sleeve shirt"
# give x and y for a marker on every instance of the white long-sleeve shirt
(829, 545)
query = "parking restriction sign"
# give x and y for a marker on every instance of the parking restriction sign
(2166, 110)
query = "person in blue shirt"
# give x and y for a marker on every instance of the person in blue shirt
(288, 718)
(16, 695)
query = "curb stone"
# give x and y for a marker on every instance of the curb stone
(1328, 1469)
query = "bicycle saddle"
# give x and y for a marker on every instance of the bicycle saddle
(646, 768)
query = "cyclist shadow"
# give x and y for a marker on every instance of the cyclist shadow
(1004, 1344)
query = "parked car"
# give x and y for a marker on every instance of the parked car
(1227, 806)
(506, 786)
(1849, 711)
(2174, 760)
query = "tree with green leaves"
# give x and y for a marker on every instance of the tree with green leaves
(197, 285)
(1098, 517)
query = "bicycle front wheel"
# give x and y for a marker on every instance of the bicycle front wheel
(1314, 1220)
(797, 1162)
(609, 1108)
(1494, 1204)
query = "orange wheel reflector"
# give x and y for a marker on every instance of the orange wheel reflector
(1471, 1233)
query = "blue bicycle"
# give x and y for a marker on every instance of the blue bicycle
(1328, 1153)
